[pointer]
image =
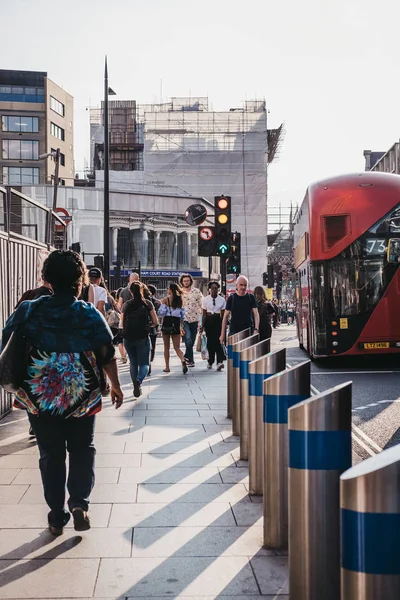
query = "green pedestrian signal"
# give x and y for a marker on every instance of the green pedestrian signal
(223, 249)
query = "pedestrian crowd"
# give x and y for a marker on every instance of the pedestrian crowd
(58, 357)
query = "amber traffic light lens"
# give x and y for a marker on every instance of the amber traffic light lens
(222, 203)
(223, 219)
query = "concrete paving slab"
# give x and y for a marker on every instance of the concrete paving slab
(188, 420)
(191, 492)
(137, 576)
(247, 513)
(118, 460)
(221, 596)
(12, 494)
(234, 475)
(19, 461)
(169, 412)
(18, 544)
(172, 515)
(159, 447)
(202, 459)
(170, 435)
(174, 474)
(19, 448)
(35, 515)
(198, 541)
(271, 573)
(8, 475)
(102, 493)
(32, 476)
(46, 578)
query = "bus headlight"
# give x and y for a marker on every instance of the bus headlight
(335, 343)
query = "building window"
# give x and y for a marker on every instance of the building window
(21, 149)
(62, 157)
(13, 93)
(57, 106)
(57, 131)
(20, 175)
(20, 124)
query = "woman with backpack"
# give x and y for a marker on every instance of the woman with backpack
(136, 316)
(67, 343)
(172, 311)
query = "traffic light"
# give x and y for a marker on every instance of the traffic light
(233, 265)
(279, 284)
(99, 262)
(270, 276)
(206, 241)
(223, 225)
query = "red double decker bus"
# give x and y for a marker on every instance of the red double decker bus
(348, 279)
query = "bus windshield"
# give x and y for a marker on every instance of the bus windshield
(355, 286)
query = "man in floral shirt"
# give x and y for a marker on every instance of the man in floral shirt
(192, 302)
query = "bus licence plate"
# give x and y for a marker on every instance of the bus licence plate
(376, 345)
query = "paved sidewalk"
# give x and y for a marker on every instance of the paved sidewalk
(170, 511)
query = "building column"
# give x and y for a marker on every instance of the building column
(174, 251)
(144, 247)
(114, 244)
(188, 249)
(157, 235)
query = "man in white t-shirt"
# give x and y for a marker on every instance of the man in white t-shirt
(100, 294)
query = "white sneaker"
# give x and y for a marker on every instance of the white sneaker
(209, 366)
(220, 366)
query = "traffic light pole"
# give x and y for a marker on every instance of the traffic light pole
(222, 263)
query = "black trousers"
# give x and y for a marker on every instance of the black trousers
(212, 328)
(55, 436)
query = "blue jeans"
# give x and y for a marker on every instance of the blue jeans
(139, 358)
(190, 330)
(55, 436)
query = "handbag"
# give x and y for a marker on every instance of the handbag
(14, 363)
(204, 350)
(171, 325)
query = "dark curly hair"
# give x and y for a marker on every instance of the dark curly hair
(183, 276)
(213, 282)
(65, 271)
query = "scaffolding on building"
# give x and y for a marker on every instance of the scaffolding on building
(192, 150)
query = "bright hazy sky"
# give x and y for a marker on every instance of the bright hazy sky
(328, 68)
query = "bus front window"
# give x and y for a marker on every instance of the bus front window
(355, 286)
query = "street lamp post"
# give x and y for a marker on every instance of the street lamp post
(55, 155)
(106, 235)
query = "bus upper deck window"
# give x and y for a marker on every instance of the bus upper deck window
(334, 229)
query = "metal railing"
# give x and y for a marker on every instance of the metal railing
(23, 249)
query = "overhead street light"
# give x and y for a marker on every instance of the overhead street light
(106, 237)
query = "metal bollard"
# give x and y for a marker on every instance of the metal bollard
(370, 519)
(236, 350)
(281, 392)
(259, 370)
(245, 357)
(319, 452)
(233, 339)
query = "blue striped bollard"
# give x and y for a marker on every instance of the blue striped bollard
(236, 350)
(231, 340)
(319, 452)
(370, 528)
(281, 392)
(259, 370)
(245, 357)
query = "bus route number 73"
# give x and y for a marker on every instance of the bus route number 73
(376, 246)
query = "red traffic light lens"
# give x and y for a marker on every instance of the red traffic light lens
(222, 203)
